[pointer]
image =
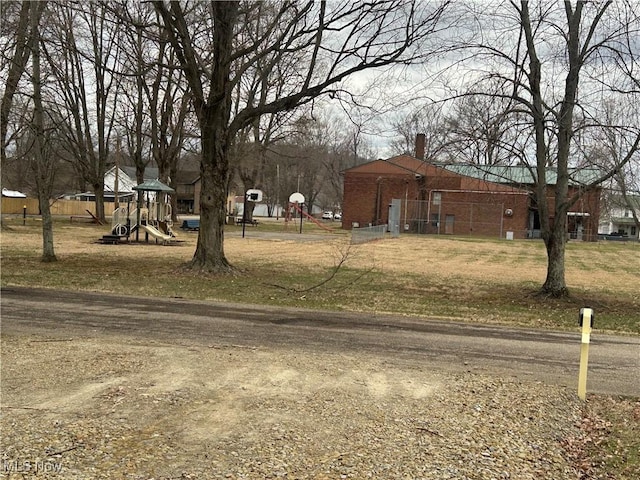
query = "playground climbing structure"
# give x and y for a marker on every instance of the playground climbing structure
(151, 214)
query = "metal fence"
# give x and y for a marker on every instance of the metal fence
(368, 234)
(453, 218)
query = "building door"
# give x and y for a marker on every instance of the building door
(448, 224)
(394, 217)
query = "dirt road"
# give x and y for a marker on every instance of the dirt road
(101, 386)
(550, 357)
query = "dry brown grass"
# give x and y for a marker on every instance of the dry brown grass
(438, 276)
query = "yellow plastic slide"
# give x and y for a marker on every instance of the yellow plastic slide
(155, 233)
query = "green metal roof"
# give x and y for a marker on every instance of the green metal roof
(153, 186)
(520, 175)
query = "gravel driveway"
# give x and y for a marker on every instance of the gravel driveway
(85, 407)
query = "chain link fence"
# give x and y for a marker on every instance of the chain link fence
(453, 218)
(368, 234)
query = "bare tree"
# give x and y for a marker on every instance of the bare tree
(482, 127)
(133, 109)
(332, 41)
(311, 147)
(309, 154)
(42, 162)
(256, 86)
(347, 147)
(607, 142)
(427, 120)
(630, 196)
(82, 51)
(574, 41)
(17, 62)
(157, 102)
(251, 151)
(621, 138)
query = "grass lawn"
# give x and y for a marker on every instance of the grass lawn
(480, 280)
(467, 279)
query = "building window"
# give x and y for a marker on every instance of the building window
(435, 219)
(633, 231)
(437, 198)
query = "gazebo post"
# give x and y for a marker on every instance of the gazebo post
(139, 203)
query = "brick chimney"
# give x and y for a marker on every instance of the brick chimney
(420, 145)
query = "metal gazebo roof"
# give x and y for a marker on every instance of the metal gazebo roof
(153, 186)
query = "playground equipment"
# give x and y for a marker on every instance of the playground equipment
(151, 214)
(295, 206)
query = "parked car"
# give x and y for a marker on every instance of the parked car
(337, 216)
(327, 215)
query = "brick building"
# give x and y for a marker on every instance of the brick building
(456, 200)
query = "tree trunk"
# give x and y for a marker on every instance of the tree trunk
(249, 206)
(98, 191)
(555, 285)
(42, 166)
(214, 173)
(554, 232)
(556, 239)
(214, 118)
(48, 252)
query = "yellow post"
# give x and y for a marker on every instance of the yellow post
(586, 320)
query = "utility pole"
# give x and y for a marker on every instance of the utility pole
(277, 191)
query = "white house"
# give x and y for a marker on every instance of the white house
(125, 182)
(12, 193)
(619, 219)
